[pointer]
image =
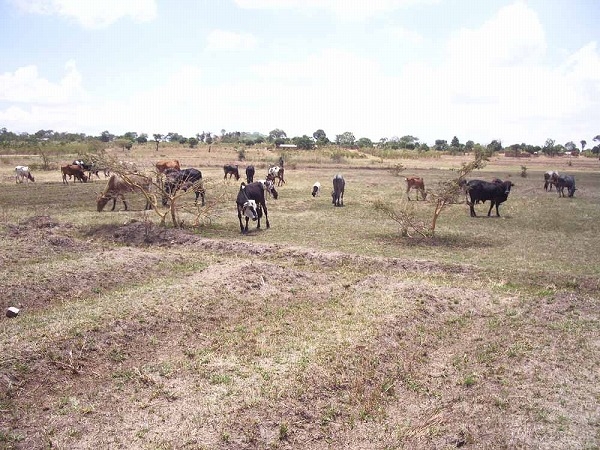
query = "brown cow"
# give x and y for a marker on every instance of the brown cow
(74, 170)
(118, 186)
(415, 183)
(165, 164)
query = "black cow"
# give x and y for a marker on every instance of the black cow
(338, 190)
(481, 191)
(251, 204)
(565, 181)
(183, 179)
(250, 174)
(231, 170)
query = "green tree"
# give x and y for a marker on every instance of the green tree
(441, 145)
(157, 138)
(105, 136)
(142, 138)
(364, 142)
(469, 146)
(320, 137)
(130, 135)
(305, 142)
(345, 139)
(455, 142)
(193, 142)
(570, 146)
(277, 135)
(548, 147)
(495, 146)
(583, 143)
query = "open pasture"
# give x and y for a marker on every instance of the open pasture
(329, 330)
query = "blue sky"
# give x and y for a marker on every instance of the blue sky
(514, 70)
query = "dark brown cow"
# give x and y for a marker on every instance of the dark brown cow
(119, 186)
(232, 171)
(75, 171)
(416, 183)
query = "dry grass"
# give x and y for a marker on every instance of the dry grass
(329, 330)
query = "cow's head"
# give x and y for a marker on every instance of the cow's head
(101, 201)
(507, 186)
(249, 210)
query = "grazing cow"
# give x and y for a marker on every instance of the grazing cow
(23, 173)
(416, 183)
(90, 168)
(250, 174)
(251, 204)
(565, 181)
(481, 191)
(183, 179)
(232, 171)
(163, 165)
(316, 189)
(276, 172)
(74, 170)
(269, 187)
(338, 190)
(119, 186)
(550, 179)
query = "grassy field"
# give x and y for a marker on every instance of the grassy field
(329, 330)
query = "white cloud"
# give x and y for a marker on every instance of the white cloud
(26, 86)
(219, 40)
(345, 9)
(92, 13)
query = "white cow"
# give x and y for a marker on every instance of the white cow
(316, 189)
(23, 173)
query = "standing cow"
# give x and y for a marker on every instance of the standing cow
(482, 191)
(118, 186)
(231, 170)
(338, 190)
(416, 183)
(565, 181)
(250, 174)
(550, 179)
(251, 204)
(183, 179)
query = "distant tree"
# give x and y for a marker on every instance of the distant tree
(455, 142)
(345, 139)
(441, 145)
(583, 143)
(193, 142)
(320, 137)
(105, 136)
(157, 138)
(208, 138)
(277, 135)
(570, 146)
(469, 145)
(495, 146)
(142, 138)
(548, 147)
(305, 142)
(364, 142)
(130, 135)
(407, 141)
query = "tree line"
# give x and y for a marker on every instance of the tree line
(278, 137)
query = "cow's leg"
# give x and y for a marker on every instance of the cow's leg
(114, 199)
(472, 208)
(492, 203)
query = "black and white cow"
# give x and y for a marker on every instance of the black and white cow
(550, 179)
(251, 204)
(565, 181)
(316, 189)
(269, 187)
(482, 191)
(23, 173)
(338, 190)
(183, 179)
(250, 174)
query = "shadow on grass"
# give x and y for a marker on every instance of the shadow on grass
(449, 241)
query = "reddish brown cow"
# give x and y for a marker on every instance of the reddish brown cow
(117, 187)
(415, 183)
(75, 171)
(165, 164)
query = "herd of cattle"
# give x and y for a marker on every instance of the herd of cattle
(251, 198)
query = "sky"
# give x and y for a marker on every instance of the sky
(518, 71)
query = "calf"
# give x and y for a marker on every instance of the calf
(416, 183)
(250, 174)
(269, 187)
(251, 204)
(23, 173)
(74, 170)
(165, 164)
(565, 181)
(276, 172)
(338, 190)
(316, 189)
(550, 179)
(183, 179)
(481, 191)
(118, 186)
(231, 170)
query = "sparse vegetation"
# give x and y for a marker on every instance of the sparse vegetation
(327, 330)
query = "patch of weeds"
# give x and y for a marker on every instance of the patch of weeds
(7, 437)
(219, 378)
(284, 431)
(501, 403)
(470, 380)
(225, 436)
(329, 415)
(116, 355)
